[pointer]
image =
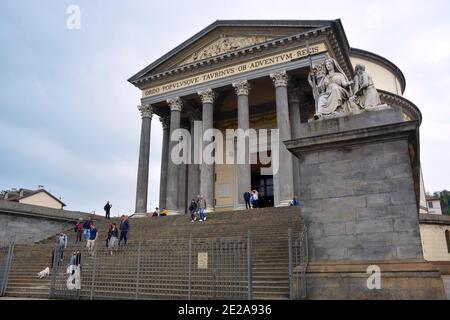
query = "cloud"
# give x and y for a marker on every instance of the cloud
(69, 115)
(374, 18)
(50, 160)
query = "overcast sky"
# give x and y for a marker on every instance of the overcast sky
(68, 115)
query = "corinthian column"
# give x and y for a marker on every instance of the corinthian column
(182, 187)
(207, 170)
(193, 168)
(164, 162)
(283, 181)
(175, 105)
(244, 178)
(294, 116)
(144, 158)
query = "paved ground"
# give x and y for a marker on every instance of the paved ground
(447, 285)
(12, 298)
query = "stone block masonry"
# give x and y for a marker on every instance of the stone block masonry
(357, 188)
(28, 224)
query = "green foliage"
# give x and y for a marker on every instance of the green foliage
(445, 201)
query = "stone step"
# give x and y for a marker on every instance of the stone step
(270, 295)
(115, 278)
(30, 295)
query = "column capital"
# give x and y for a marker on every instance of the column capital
(165, 122)
(280, 78)
(146, 111)
(242, 87)
(207, 96)
(294, 94)
(175, 104)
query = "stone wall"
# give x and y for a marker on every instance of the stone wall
(361, 203)
(28, 224)
(360, 194)
(357, 188)
(432, 230)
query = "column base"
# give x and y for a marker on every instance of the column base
(174, 212)
(284, 203)
(347, 280)
(138, 215)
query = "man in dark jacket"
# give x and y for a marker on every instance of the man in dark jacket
(87, 228)
(124, 227)
(193, 210)
(107, 208)
(247, 197)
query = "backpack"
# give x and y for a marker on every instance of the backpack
(62, 240)
(78, 227)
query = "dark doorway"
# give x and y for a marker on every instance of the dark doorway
(263, 184)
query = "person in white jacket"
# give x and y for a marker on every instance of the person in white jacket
(62, 244)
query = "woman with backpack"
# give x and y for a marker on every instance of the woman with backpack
(87, 228)
(193, 210)
(78, 230)
(113, 237)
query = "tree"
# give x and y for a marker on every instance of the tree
(445, 201)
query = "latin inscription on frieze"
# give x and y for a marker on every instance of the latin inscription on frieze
(236, 69)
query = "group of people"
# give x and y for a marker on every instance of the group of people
(86, 230)
(113, 240)
(158, 213)
(197, 208)
(251, 199)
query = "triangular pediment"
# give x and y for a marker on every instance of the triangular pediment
(225, 43)
(226, 36)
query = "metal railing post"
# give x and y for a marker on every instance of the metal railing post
(2, 283)
(190, 267)
(213, 258)
(290, 263)
(305, 295)
(54, 271)
(249, 266)
(138, 275)
(8, 260)
(94, 268)
(11, 253)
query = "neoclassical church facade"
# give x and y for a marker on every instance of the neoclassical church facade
(247, 74)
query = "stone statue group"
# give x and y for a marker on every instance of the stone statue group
(335, 94)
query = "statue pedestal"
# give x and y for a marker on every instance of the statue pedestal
(360, 193)
(347, 280)
(138, 215)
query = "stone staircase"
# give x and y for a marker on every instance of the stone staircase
(269, 232)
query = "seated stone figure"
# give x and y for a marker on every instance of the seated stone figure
(333, 91)
(366, 95)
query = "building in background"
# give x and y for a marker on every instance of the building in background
(228, 76)
(435, 234)
(39, 197)
(434, 205)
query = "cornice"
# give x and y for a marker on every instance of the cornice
(354, 52)
(398, 101)
(260, 47)
(232, 23)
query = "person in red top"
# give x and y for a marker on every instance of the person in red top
(79, 230)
